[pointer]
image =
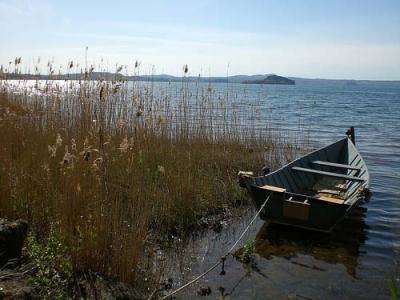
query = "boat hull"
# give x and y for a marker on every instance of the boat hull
(316, 215)
(315, 191)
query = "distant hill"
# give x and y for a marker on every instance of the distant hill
(266, 79)
(272, 79)
(231, 79)
(258, 78)
(118, 76)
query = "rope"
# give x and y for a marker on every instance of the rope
(219, 261)
(248, 226)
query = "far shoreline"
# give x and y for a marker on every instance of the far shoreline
(244, 79)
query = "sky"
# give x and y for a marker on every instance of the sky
(349, 39)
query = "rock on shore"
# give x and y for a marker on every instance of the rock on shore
(12, 236)
(14, 284)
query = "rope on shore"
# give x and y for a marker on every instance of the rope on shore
(221, 260)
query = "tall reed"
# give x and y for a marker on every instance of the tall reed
(106, 162)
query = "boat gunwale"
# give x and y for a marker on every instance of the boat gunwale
(300, 158)
(345, 139)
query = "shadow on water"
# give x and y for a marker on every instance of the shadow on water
(341, 246)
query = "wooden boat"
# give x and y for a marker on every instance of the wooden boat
(315, 191)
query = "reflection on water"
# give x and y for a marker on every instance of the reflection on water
(342, 246)
(288, 262)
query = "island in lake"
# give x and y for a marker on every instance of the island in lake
(272, 79)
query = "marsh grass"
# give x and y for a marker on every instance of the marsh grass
(103, 163)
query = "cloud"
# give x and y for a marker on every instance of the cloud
(290, 58)
(323, 60)
(168, 47)
(20, 11)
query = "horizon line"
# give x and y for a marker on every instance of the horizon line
(199, 75)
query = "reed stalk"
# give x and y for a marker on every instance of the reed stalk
(104, 163)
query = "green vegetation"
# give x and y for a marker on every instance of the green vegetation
(248, 251)
(394, 294)
(100, 164)
(53, 268)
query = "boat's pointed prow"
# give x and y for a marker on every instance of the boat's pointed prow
(351, 134)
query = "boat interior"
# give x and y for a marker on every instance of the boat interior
(332, 174)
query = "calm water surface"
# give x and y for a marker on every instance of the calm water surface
(359, 259)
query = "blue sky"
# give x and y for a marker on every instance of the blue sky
(316, 39)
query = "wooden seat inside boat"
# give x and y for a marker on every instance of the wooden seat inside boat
(327, 189)
(331, 199)
(335, 165)
(329, 174)
(273, 188)
(331, 196)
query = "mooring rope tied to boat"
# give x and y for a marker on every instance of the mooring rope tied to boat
(221, 260)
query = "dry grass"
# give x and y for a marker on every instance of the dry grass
(102, 163)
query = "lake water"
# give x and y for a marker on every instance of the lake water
(361, 257)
